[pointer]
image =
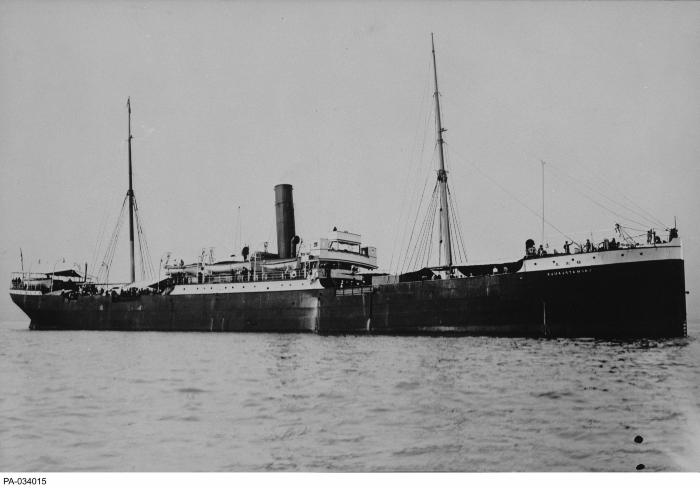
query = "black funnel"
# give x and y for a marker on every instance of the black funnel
(284, 212)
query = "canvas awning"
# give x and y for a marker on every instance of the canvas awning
(66, 273)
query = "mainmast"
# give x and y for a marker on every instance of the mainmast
(442, 175)
(130, 194)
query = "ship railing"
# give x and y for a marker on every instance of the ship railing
(24, 280)
(601, 247)
(30, 286)
(26, 276)
(254, 277)
(353, 290)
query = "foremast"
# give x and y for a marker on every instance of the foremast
(445, 235)
(130, 196)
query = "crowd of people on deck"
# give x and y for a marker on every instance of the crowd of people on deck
(90, 289)
(571, 248)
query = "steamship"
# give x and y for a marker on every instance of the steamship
(332, 285)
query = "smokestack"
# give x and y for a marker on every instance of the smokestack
(284, 212)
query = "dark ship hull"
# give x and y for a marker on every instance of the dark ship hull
(625, 298)
(284, 311)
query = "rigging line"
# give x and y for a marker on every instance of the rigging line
(457, 224)
(98, 252)
(430, 241)
(425, 185)
(426, 244)
(414, 245)
(634, 229)
(101, 234)
(453, 232)
(649, 216)
(424, 100)
(463, 241)
(141, 263)
(420, 166)
(462, 245)
(417, 248)
(457, 217)
(115, 242)
(429, 232)
(644, 213)
(98, 242)
(415, 169)
(418, 245)
(603, 206)
(427, 177)
(457, 227)
(142, 252)
(146, 256)
(420, 201)
(142, 236)
(534, 212)
(653, 220)
(138, 236)
(111, 246)
(149, 261)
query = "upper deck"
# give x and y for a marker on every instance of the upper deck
(548, 262)
(343, 247)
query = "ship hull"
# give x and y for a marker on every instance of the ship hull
(289, 311)
(644, 299)
(626, 300)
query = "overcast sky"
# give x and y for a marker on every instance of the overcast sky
(231, 98)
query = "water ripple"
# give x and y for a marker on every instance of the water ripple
(115, 401)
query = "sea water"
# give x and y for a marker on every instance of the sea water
(143, 401)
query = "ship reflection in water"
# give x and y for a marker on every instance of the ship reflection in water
(115, 401)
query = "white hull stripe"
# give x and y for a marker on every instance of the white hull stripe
(248, 287)
(602, 258)
(25, 292)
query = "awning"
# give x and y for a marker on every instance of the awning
(66, 273)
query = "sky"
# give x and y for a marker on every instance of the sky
(232, 98)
